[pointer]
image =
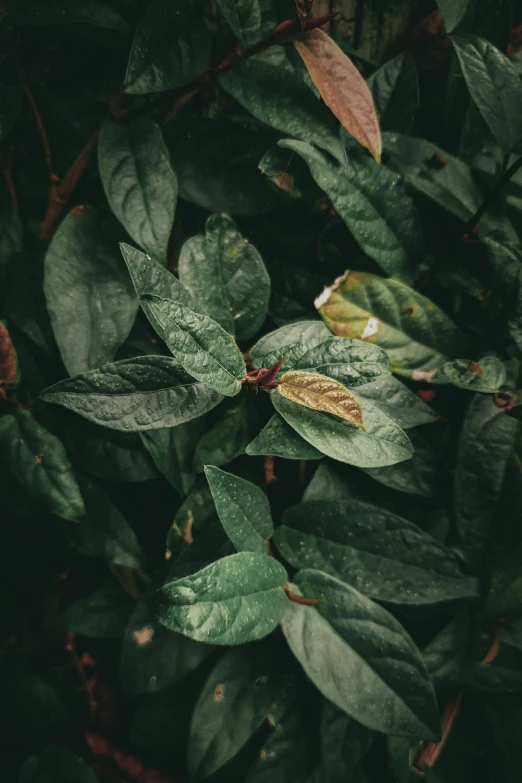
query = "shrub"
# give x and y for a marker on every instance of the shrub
(259, 393)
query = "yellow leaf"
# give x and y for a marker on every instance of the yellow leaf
(316, 391)
(342, 88)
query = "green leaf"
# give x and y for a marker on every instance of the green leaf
(487, 376)
(487, 440)
(380, 554)
(417, 336)
(145, 393)
(505, 589)
(381, 442)
(494, 86)
(89, 296)
(10, 108)
(104, 532)
(279, 439)
(243, 509)
(395, 91)
(433, 173)
(238, 296)
(448, 657)
(103, 614)
(361, 658)
(234, 600)
(171, 48)
(309, 345)
(344, 743)
(64, 12)
(198, 343)
(397, 402)
(152, 658)
(172, 449)
(236, 700)
(56, 765)
(139, 183)
(278, 97)
(453, 12)
(416, 476)
(244, 18)
(40, 463)
(229, 436)
(372, 202)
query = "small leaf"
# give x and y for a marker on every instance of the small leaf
(278, 97)
(395, 91)
(243, 509)
(139, 183)
(380, 554)
(145, 393)
(238, 697)
(198, 343)
(494, 86)
(238, 297)
(279, 439)
(417, 336)
(236, 599)
(229, 436)
(245, 19)
(40, 463)
(486, 376)
(152, 658)
(372, 202)
(350, 648)
(453, 12)
(88, 293)
(8, 363)
(381, 442)
(397, 402)
(321, 394)
(342, 87)
(171, 48)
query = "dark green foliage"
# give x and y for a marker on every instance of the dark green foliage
(260, 391)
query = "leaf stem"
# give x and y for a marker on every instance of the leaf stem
(8, 179)
(301, 599)
(497, 188)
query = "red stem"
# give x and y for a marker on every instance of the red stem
(9, 184)
(300, 599)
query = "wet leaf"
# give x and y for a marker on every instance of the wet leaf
(229, 436)
(487, 376)
(397, 402)
(236, 599)
(148, 392)
(244, 18)
(172, 449)
(139, 183)
(342, 87)
(40, 463)
(88, 293)
(279, 439)
(243, 509)
(321, 393)
(382, 555)
(417, 336)
(361, 658)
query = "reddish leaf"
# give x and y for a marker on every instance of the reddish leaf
(8, 367)
(342, 88)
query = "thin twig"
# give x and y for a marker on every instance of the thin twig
(497, 188)
(8, 179)
(301, 599)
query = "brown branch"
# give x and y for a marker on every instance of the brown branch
(61, 195)
(70, 647)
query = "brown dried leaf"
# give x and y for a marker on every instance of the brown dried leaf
(342, 88)
(316, 391)
(8, 367)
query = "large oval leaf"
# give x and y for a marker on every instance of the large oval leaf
(243, 509)
(361, 658)
(380, 554)
(341, 87)
(234, 600)
(39, 461)
(381, 442)
(372, 202)
(89, 295)
(417, 336)
(135, 394)
(320, 393)
(226, 277)
(139, 183)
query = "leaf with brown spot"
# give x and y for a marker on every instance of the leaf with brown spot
(342, 88)
(316, 391)
(8, 364)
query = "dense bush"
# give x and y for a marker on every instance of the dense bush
(260, 410)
